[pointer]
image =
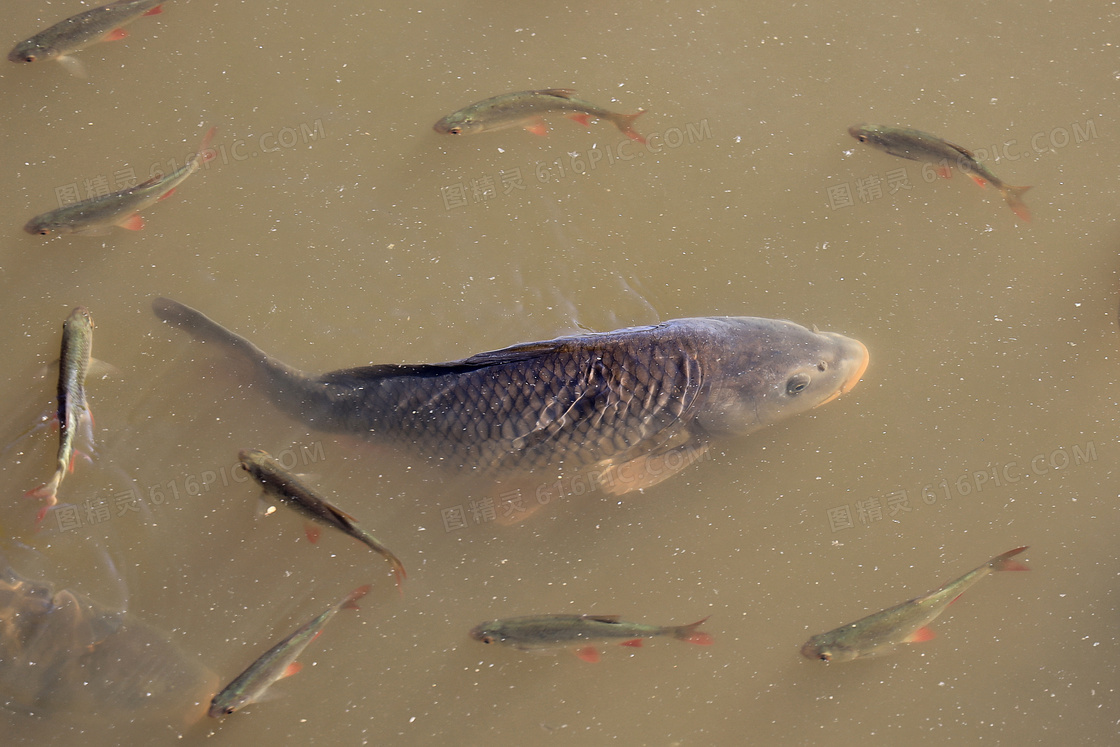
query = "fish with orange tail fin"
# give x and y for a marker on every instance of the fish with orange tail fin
(79, 31)
(73, 411)
(278, 662)
(524, 109)
(291, 491)
(922, 146)
(584, 631)
(98, 215)
(904, 623)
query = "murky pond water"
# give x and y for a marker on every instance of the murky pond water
(335, 228)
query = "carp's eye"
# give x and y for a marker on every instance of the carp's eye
(487, 639)
(44, 231)
(863, 138)
(456, 130)
(826, 657)
(797, 383)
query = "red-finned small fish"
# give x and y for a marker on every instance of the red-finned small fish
(584, 631)
(73, 411)
(922, 146)
(80, 31)
(524, 109)
(278, 662)
(904, 623)
(97, 216)
(291, 491)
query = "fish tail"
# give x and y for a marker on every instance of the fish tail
(288, 389)
(690, 634)
(48, 493)
(278, 376)
(205, 152)
(625, 123)
(1005, 563)
(1014, 195)
(203, 328)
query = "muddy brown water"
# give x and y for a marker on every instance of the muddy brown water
(335, 229)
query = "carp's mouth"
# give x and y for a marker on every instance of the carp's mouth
(852, 380)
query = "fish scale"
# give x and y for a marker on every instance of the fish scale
(605, 399)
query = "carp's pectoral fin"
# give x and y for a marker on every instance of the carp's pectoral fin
(651, 468)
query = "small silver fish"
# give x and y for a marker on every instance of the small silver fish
(556, 631)
(524, 109)
(291, 491)
(98, 215)
(278, 662)
(79, 31)
(73, 411)
(904, 623)
(916, 145)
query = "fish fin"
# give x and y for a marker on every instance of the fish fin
(351, 602)
(115, 35)
(294, 668)
(1013, 195)
(313, 532)
(133, 222)
(633, 643)
(537, 126)
(625, 123)
(954, 599)
(590, 654)
(166, 194)
(99, 369)
(75, 455)
(921, 635)
(583, 119)
(398, 573)
(73, 65)
(979, 180)
(1005, 563)
(961, 149)
(154, 11)
(945, 172)
(602, 618)
(690, 634)
(563, 93)
(651, 468)
(206, 153)
(48, 491)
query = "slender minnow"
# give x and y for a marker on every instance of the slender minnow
(524, 109)
(555, 631)
(922, 146)
(610, 401)
(73, 411)
(904, 623)
(81, 30)
(278, 662)
(97, 216)
(294, 493)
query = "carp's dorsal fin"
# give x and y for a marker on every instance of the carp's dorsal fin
(612, 619)
(515, 354)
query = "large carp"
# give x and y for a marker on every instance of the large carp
(613, 400)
